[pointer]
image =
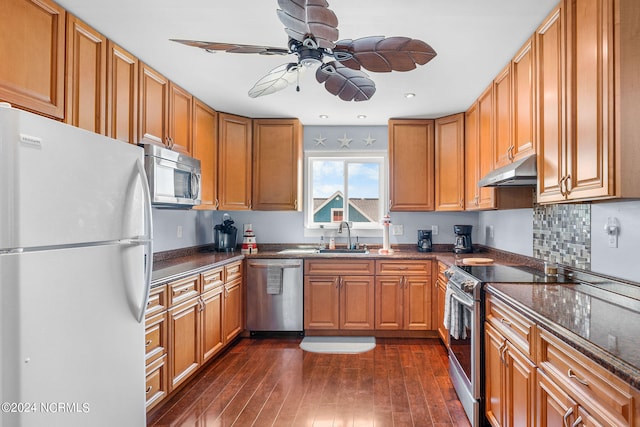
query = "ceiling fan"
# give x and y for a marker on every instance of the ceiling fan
(312, 30)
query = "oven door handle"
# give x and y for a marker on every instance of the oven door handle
(461, 301)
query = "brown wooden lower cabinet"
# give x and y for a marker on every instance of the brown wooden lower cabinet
(441, 290)
(189, 321)
(339, 295)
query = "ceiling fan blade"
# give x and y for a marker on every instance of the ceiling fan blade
(234, 48)
(302, 18)
(380, 54)
(277, 79)
(348, 84)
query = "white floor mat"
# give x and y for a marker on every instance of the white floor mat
(338, 344)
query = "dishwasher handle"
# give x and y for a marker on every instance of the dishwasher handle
(275, 265)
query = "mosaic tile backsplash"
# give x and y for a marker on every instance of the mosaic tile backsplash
(562, 234)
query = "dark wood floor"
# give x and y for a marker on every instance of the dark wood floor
(272, 382)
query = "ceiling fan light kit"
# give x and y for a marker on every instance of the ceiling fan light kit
(313, 36)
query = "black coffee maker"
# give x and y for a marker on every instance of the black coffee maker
(424, 241)
(462, 243)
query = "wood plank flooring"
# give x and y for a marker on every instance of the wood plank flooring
(272, 382)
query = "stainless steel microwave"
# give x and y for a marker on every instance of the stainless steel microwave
(174, 178)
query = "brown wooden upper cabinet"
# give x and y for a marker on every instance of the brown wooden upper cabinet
(86, 77)
(277, 164)
(205, 149)
(234, 162)
(588, 100)
(411, 165)
(154, 107)
(449, 163)
(122, 94)
(180, 119)
(33, 81)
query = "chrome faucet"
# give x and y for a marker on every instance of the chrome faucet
(348, 232)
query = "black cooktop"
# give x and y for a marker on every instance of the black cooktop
(510, 274)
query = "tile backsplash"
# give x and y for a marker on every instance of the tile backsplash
(562, 234)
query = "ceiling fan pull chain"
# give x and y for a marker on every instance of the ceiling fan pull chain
(298, 80)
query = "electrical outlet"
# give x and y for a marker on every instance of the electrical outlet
(612, 343)
(489, 231)
(179, 232)
(613, 240)
(397, 229)
(434, 230)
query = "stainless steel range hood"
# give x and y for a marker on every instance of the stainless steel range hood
(521, 173)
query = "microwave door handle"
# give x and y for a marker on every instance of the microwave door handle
(195, 185)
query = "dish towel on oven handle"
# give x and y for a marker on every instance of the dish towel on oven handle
(274, 280)
(453, 314)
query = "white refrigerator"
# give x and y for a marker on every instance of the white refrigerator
(75, 269)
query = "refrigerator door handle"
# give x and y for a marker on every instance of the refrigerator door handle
(146, 240)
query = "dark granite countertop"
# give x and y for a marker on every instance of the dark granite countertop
(187, 263)
(601, 324)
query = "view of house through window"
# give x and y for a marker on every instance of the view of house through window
(345, 189)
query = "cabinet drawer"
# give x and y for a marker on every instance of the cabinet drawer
(156, 384)
(157, 301)
(404, 267)
(515, 327)
(601, 392)
(155, 339)
(339, 267)
(232, 271)
(212, 279)
(182, 290)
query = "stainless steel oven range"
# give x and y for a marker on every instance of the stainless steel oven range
(463, 321)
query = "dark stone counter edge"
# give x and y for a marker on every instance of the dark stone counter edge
(625, 371)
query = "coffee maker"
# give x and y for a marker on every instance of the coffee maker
(462, 243)
(424, 241)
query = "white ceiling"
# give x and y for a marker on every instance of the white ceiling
(474, 40)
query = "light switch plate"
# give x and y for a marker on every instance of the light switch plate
(434, 230)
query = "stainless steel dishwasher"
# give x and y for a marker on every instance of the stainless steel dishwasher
(274, 295)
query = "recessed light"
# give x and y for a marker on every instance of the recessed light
(409, 95)
(362, 116)
(323, 116)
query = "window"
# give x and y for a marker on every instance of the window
(345, 188)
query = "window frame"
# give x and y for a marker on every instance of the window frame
(312, 228)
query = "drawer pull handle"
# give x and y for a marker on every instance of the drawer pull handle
(149, 389)
(148, 343)
(505, 321)
(577, 422)
(570, 374)
(565, 419)
(185, 290)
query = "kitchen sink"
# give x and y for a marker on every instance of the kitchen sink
(294, 251)
(343, 251)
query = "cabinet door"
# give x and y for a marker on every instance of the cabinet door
(417, 303)
(494, 377)
(180, 119)
(156, 382)
(321, 302)
(356, 302)
(234, 162)
(486, 197)
(86, 76)
(449, 158)
(122, 94)
(153, 106)
(184, 341)
(590, 87)
(205, 149)
(389, 302)
(411, 165)
(212, 320)
(554, 406)
(155, 341)
(550, 66)
(277, 164)
(522, 76)
(233, 310)
(32, 48)
(520, 388)
(502, 118)
(472, 158)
